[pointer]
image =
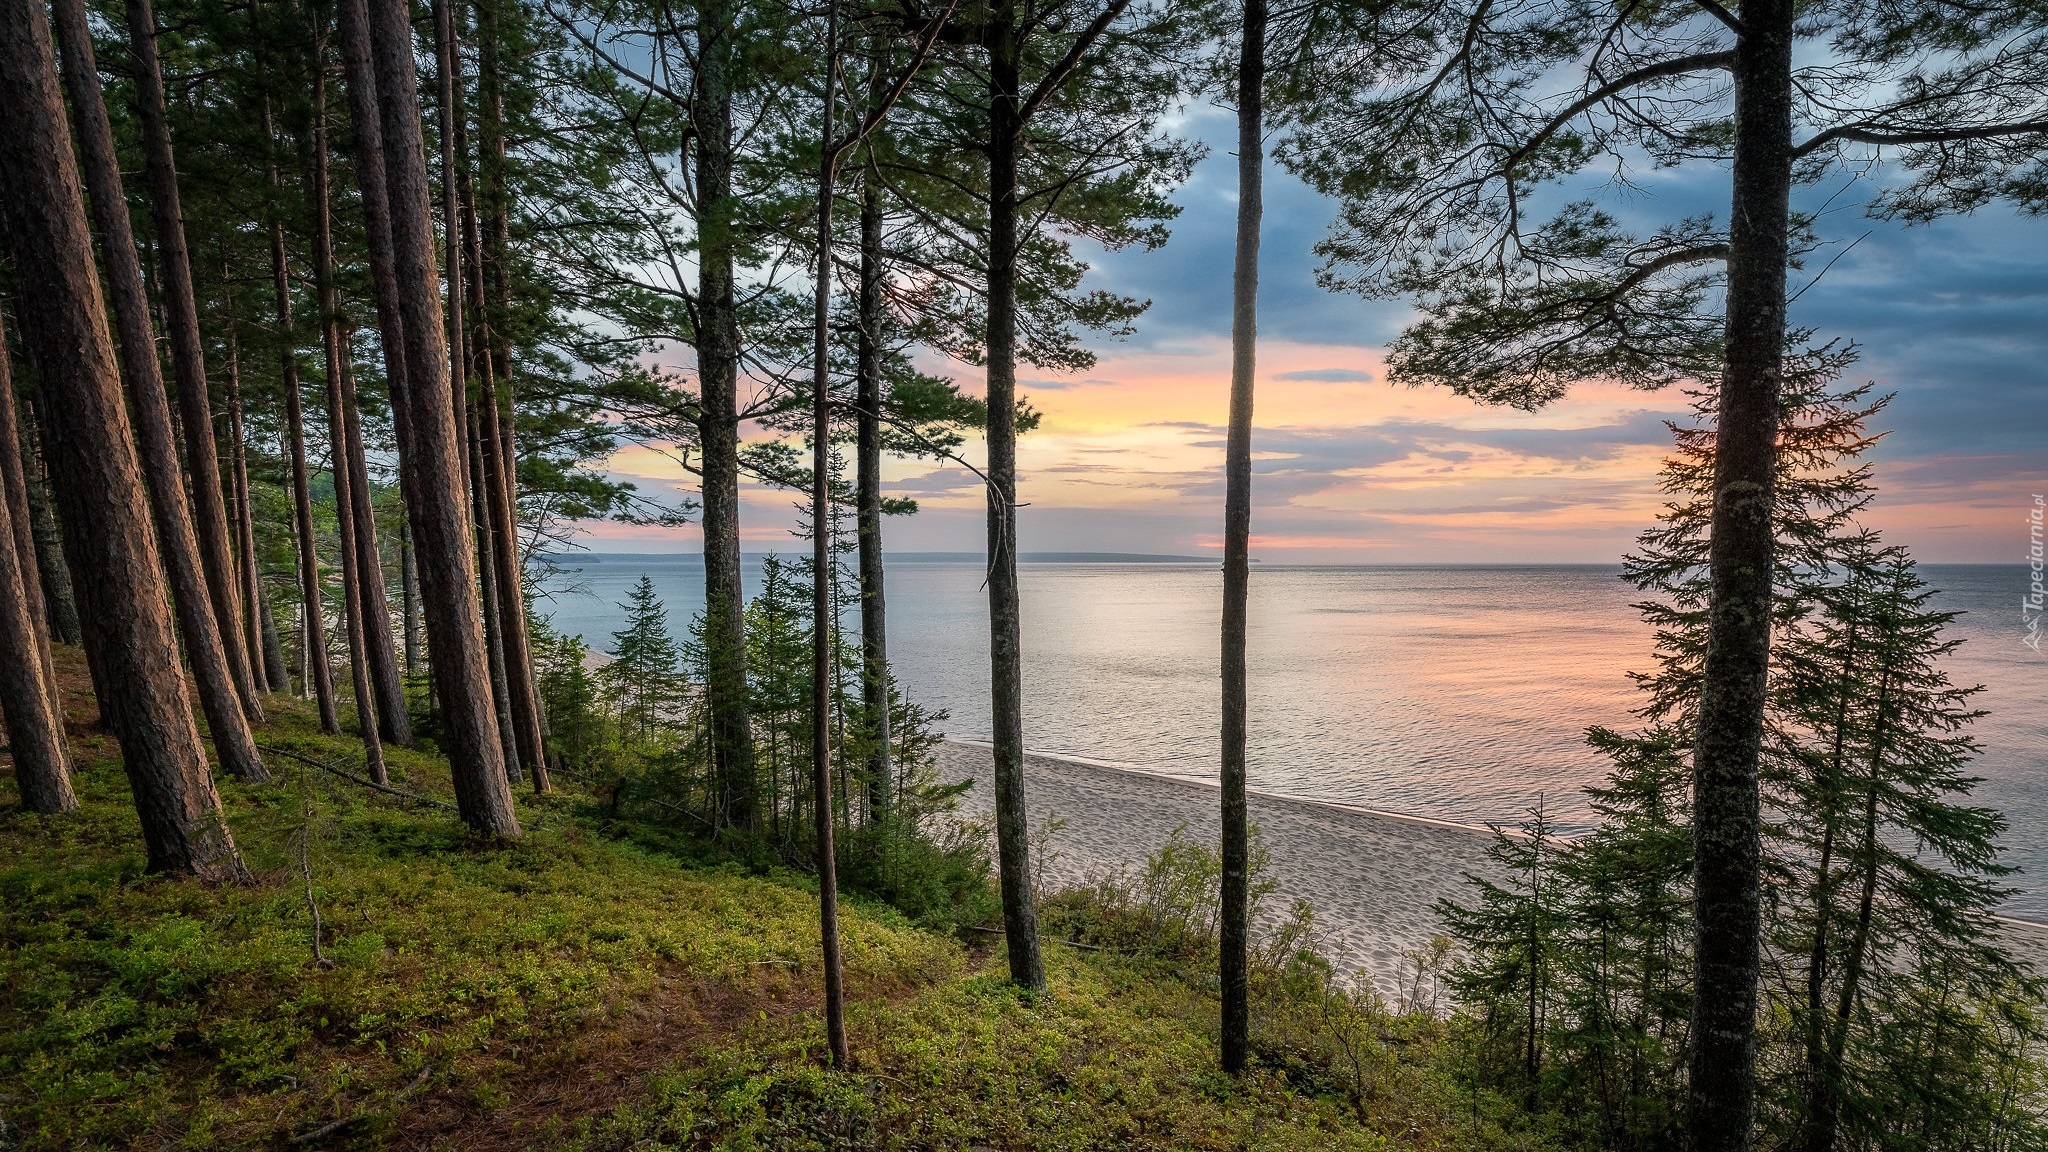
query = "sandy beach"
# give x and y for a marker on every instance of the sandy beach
(1373, 877)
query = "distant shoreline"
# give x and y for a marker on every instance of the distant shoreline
(690, 552)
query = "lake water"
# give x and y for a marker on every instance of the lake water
(1460, 693)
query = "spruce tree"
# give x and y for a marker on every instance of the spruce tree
(646, 670)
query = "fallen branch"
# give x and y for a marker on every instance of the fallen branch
(355, 779)
(333, 1126)
(1068, 943)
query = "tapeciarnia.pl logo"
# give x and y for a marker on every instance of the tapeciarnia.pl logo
(2036, 600)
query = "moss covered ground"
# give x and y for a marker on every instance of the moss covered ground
(575, 990)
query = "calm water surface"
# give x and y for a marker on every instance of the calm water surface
(1461, 693)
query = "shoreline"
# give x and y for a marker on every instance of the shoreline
(1373, 876)
(1250, 793)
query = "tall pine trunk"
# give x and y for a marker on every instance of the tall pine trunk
(14, 491)
(821, 559)
(335, 342)
(1006, 674)
(409, 594)
(312, 624)
(487, 584)
(1821, 1075)
(718, 353)
(227, 709)
(1237, 528)
(434, 483)
(352, 29)
(365, 107)
(28, 682)
(246, 572)
(110, 544)
(874, 603)
(494, 227)
(388, 685)
(504, 617)
(60, 603)
(455, 246)
(1727, 885)
(188, 355)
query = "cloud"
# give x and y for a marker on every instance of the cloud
(1328, 375)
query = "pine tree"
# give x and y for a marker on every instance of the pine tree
(1891, 877)
(1878, 935)
(646, 669)
(129, 641)
(1511, 939)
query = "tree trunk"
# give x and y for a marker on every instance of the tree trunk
(1237, 527)
(874, 604)
(821, 561)
(227, 710)
(354, 617)
(393, 718)
(434, 488)
(1827, 1118)
(188, 357)
(1821, 1075)
(313, 629)
(1006, 675)
(14, 495)
(28, 679)
(494, 648)
(335, 342)
(393, 714)
(373, 188)
(60, 603)
(409, 589)
(450, 123)
(718, 353)
(110, 544)
(273, 648)
(1727, 888)
(268, 672)
(500, 411)
(504, 614)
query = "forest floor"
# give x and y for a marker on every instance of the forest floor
(575, 990)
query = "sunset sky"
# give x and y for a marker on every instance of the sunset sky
(1952, 317)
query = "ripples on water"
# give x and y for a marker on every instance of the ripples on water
(1460, 693)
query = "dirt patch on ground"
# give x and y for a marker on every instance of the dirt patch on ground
(595, 1068)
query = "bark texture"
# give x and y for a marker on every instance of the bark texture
(14, 492)
(434, 482)
(312, 623)
(335, 342)
(874, 601)
(821, 563)
(228, 709)
(494, 226)
(269, 674)
(1235, 935)
(718, 429)
(110, 543)
(1006, 674)
(352, 28)
(188, 355)
(28, 684)
(1727, 887)
(60, 603)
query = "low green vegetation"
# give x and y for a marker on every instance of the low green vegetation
(587, 987)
